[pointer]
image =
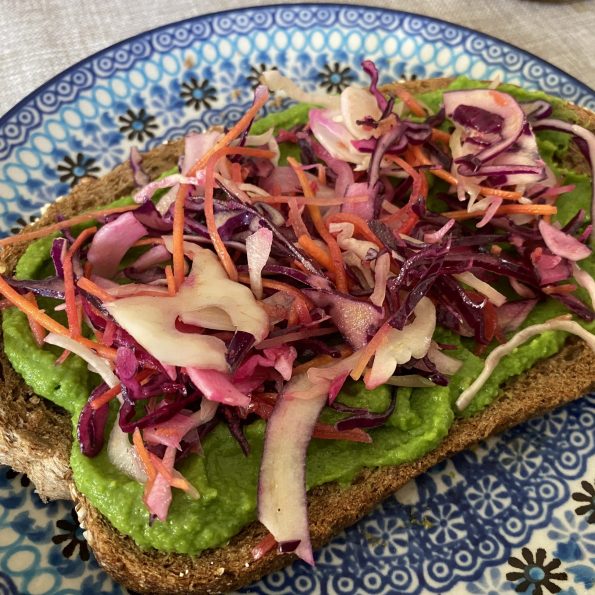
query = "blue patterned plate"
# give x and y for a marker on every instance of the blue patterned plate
(515, 513)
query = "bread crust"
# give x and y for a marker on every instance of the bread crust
(35, 437)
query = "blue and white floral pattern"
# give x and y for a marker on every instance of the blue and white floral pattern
(515, 513)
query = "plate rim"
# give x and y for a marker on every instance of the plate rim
(275, 6)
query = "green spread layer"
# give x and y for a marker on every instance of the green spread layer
(225, 478)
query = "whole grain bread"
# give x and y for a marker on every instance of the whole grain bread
(35, 436)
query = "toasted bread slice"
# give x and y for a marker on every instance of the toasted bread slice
(35, 437)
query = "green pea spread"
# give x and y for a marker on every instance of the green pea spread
(224, 477)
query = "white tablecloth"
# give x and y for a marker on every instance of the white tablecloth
(40, 38)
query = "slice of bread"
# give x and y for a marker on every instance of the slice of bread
(35, 437)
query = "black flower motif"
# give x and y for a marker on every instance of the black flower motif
(534, 572)
(198, 94)
(73, 536)
(256, 73)
(137, 125)
(73, 170)
(11, 474)
(18, 225)
(334, 79)
(589, 501)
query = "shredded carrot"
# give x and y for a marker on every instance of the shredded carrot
(312, 249)
(218, 244)
(63, 357)
(88, 270)
(559, 289)
(337, 259)
(37, 330)
(292, 315)
(47, 322)
(94, 289)
(420, 183)
(409, 100)
(422, 159)
(178, 228)
(295, 218)
(148, 242)
(369, 350)
(113, 392)
(302, 303)
(361, 227)
(327, 201)
(504, 210)
(48, 229)
(171, 282)
(74, 322)
(236, 173)
(106, 397)
(440, 136)
(296, 336)
(143, 454)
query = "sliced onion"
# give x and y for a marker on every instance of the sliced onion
(111, 243)
(562, 244)
(258, 250)
(585, 280)
(123, 456)
(521, 337)
(357, 104)
(399, 346)
(381, 271)
(216, 386)
(282, 483)
(196, 145)
(484, 288)
(147, 191)
(96, 363)
(445, 364)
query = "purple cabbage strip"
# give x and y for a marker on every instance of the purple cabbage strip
(238, 348)
(52, 287)
(234, 423)
(91, 424)
(371, 70)
(367, 419)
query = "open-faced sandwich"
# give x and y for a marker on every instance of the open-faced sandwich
(246, 339)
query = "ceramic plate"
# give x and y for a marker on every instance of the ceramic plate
(515, 513)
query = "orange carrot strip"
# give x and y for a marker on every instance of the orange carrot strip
(331, 242)
(37, 330)
(440, 136)
(330, 201)
(106, 397)
(218, 244)
(74, 323)
(94, 289)
(27, 236)
(312, 249)
(295, 218)
(143, 453)
(506, 194)
(171, 282)
(504, 210)
(369, 350)
(292, 315)
(148, 242)
(113, 392)
(302, 303)
(358, 223)
(236, 173)
(409, 100)
(47, 322)
(178, 229)
(559, 289)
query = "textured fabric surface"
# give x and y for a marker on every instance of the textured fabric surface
(40, 38)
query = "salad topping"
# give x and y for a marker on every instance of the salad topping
(250, 285)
